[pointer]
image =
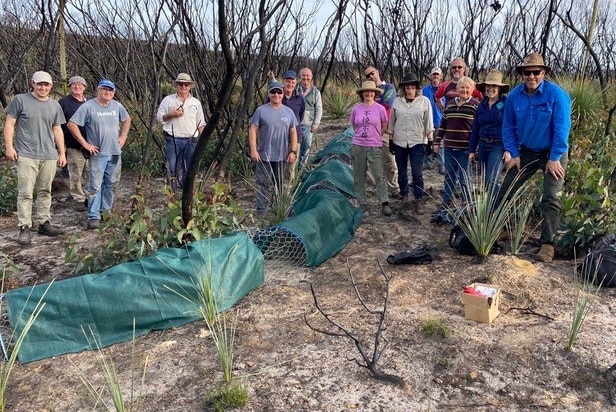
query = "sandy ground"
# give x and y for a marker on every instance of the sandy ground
(516, 363)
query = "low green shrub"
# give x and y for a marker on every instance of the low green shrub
(126, 238)
(589, 200)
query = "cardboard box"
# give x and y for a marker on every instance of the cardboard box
(482, 308)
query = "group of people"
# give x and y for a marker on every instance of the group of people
(41, 133)
(522, 130)
(518, 131)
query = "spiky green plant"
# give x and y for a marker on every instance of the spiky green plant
(338, 101)
(112, 381)
(481, 216)
(516, 222)
(586, 293)
(6, 367)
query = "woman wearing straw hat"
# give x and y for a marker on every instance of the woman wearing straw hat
(411, 128)
(487, 130)
(369, 121)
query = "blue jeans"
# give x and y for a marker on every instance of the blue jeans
(304, 148)
(179, 151)
(266, 175)
(530, 162)
(456, 168)
(105, 172)
(490, 156)
(416, 156)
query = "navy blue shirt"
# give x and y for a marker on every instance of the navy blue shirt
(488, 122)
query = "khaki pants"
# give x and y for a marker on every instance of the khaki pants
(364, 158)
(390, 169)
(33, 174)
(76, 164)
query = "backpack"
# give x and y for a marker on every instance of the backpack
(418, 256)
(460, 242)
(601, 261)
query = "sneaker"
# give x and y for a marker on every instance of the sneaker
(48, 230)
(24, 235)
(420, 208)
(94, 224)
(386, 210)
(546, 254)
(395, 195)
(81, 206)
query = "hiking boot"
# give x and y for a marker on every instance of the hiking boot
(48, 230)
(545, 254)
(405, 200)
(396, 195)
(94, 224)
(81, 206)
(386, 210)
(420, 208)
(24, 235)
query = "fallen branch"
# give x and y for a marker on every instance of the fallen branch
(529, 311)
(369, 362)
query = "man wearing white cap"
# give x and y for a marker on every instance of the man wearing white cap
(33, 137)
(183, 121)
(100, 117)
(74, 156)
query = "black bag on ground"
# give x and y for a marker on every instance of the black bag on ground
(417, 256)
(601, 262)
(460, 242)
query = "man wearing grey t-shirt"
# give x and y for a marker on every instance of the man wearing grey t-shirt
(101, 118)
(273, 143)
(33, 137)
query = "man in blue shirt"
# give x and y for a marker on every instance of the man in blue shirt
(536, 126)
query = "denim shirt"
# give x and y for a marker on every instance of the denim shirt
(488, 122)
(538, 122)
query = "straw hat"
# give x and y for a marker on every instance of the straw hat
(494, 78)
(368, 85)
(533, 60)
(184, 78)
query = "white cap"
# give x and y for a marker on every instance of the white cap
(41, 77)
(436, 70)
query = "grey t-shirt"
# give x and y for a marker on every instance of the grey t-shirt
(34, 136)
(102, 124)
(274, 125)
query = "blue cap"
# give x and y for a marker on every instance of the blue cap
(107, 83)
(274, 85)
(289, 74)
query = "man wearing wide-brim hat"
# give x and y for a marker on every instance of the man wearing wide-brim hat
(183, 120)
(536, 126)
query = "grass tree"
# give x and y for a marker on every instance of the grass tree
(480, 213)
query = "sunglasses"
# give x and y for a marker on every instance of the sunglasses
(183, 84)
(529, 72)
(457, 67)
(276, 91)
(369, 75)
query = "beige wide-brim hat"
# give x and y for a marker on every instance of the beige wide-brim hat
(184, 78)
(533, 60)
(493, 78)
(369, 85)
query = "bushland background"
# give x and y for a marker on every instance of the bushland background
(228, 47)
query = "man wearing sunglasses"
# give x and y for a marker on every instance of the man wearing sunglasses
(536, 126)
(272, 137)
